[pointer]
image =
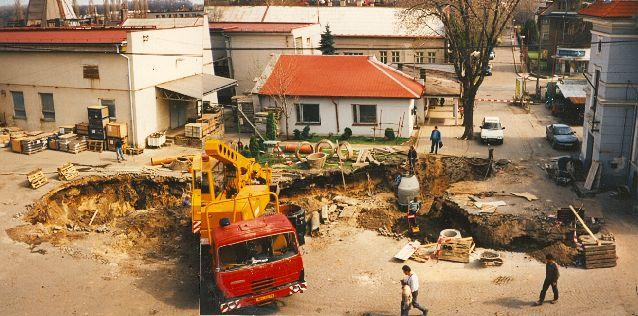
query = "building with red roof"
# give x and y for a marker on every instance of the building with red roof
(330, 93)
(610, 134)
(150, 76)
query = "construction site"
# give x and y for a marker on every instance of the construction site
(138, 227)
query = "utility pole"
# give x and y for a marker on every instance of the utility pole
(538, 59)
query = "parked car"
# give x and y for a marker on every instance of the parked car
(561, 135)
(491, 130)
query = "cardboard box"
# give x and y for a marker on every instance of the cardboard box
(16, 145)
(116, 130)
(98, 112)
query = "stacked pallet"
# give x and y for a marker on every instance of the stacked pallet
(36, 178)
(82, 129)
(77, 145)
(5, 140)
(67, 172)
(599, 256)
(456, 249)
(95, 145)
(34, 144)
(98, 118)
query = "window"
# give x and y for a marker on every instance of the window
(431, 57)
(383, 56)
(600, 45)
(257, 251)
(364, 113)
(18, 105)
(111, 105)
(395, 56)
(419, 57)
(91, 72)
(48, 110)
(308, 113)
(298, 45)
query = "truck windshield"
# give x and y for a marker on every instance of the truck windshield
(492, 125)
(257, 251)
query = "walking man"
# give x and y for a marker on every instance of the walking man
(435, 137)
(412, 158)
(118, 149)
(551, 278)
(412, 280)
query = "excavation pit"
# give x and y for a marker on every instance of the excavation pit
(110, 218)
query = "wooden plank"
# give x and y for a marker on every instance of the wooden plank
(600, 265)
(591, 175)
(600, 247)
(407, 250)
(605, 260)
(584, 225)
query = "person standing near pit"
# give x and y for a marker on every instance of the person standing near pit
(412, 155)
(435, 137)
(412, 280)
(551, 278)
(118, 150)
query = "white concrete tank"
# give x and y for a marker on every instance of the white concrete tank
(408, 189)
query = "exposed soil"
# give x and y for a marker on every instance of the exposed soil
(110, 218)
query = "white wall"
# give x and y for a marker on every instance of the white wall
(62, 75)
(390, 112)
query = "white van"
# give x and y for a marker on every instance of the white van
(491, 130)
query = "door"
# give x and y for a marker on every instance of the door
(178, 114)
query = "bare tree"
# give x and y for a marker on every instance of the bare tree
(19, 13)
(472, 28)
(283, 77)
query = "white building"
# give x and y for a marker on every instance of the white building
(610, 135)
(151, 77)
(330, 93)
(243, 49)
(375, 31)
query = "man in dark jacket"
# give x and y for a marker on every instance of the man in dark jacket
(118, 149)
(551, 278)
(412, 158)
(435, 137)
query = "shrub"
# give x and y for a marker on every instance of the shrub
(389, 134)
(296, 134)
(254, 147)
(305, 134)
(347, 133)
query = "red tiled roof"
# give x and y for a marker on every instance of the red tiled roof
(339, 76)
(62, 36)
(612, 9)
(257, 27)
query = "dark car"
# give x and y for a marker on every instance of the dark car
(487, 71)
(561, 135)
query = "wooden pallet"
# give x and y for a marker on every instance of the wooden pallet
(67, 172)
(36, 178)
(600, 256)
(457, 250)
(76, 146)
(95, 145)
(134, 151)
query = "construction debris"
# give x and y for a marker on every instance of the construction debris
(67, 172)
(530, 197)
(490, 258)
(407, 250)
(502, 280)
(456, 249)
(37, 179)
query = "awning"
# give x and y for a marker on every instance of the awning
(198, 85)
(574, 88)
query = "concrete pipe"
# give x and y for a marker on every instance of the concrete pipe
(316, 160)
(348, 148)
(450, 233)
(326, 143)
(159, 161)
(302, 148)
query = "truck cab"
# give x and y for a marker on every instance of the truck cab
(255, 262)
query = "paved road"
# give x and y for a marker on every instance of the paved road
(524, 133)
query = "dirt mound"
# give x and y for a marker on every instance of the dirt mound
(563, 254)
(135, 215)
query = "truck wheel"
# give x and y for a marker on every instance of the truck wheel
(208, 296)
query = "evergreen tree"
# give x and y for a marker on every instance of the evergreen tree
(327, 42)
(271, 128)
